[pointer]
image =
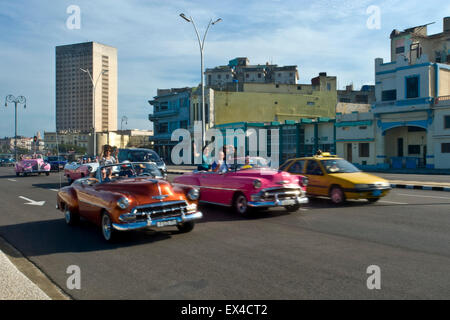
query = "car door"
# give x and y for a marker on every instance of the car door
(317, 184)
(89, 200)
(214, 188)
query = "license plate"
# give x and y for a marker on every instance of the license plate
(288, 202)
(161, 224)
(376, 193)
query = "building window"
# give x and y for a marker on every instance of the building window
(184, 124)
(259, 75)
(414, 149)
(412, 87)
(227, 76)
(446, 122)
(328, 86)
(445, 148)
(219, 76)
(247, 75)
(389, 95)
(399, 50)
(163, 127)
(310, 103)
(364, 150)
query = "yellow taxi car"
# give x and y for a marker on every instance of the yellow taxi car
(336, 178)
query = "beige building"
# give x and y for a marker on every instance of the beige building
(119, 139)
(74, 88)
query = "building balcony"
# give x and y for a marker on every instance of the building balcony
(163, 114)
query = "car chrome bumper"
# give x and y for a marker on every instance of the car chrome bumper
(278, 203)
(153, 223)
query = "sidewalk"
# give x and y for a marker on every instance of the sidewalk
(14, 285)
(22, 280)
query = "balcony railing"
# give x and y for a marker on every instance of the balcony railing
(442, 98)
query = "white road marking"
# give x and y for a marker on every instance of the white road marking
(13, 180)
(32, 202)
(393, 202)
(56, 190)
(418, 195)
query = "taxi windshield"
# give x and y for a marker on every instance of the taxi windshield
(339, 166)
(128, 170)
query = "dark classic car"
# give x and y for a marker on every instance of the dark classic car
(56, 162)
(129, 196)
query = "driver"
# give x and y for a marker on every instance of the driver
(247, 164)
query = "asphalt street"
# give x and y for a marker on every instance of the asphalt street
(318, 252)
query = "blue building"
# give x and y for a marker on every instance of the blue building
(170, 112)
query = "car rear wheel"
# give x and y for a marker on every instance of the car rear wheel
(186, 227)
(70, 217)
(240, 205)
(107, 228)
(373, 200)
(17, 174)
(292, 208)
(47, 173)
(337, 195)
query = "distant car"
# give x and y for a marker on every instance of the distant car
(249, 186)
(141, 155)
(129, 196)
(57, 162)
(7, 161)
(336, 178)
(28, 166)
(75, 170)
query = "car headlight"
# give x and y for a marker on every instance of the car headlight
(257, 184)
(191, 207)
(193, 194)
(123, 203)
(361, 186)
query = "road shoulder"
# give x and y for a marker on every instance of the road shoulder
(27, 281)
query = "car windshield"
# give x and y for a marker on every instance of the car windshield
(339, 166)
(250, 163)
(143, 156)
(128, 170)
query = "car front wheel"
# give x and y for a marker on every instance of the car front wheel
(107, 228)
(70, 217)
(241, 205)
(337, 195)
(292, 208)
(186, 227)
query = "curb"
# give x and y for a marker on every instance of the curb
(419, 187)
(32, 272)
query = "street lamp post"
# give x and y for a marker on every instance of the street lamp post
(94, 86)
(124, 118)
(19, 100)
(201, 44)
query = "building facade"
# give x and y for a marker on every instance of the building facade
(171, 111)
(74, 88)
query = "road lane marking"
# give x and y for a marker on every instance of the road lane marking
(13, 180)
(418, 195)
(392, 202)
(56, 190)
(32, 202)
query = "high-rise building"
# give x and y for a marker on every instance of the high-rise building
(74, 88)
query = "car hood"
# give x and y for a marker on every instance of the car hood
(269, 175)
(143, 190)
(358, 177)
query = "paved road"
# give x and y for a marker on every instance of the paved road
(444, 179)
(318, 252)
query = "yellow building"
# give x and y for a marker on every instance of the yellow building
(263, 102)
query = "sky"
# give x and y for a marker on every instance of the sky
(158, 49)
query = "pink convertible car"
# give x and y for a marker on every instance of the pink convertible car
(74, 170)
(248, 186)
(31, 165)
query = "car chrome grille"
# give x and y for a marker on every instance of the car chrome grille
(161, 210)
(281, 193)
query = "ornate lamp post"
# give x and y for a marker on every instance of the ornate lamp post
(201, 44)
(16, 100)
(94, 86)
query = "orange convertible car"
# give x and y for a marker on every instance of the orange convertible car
(129, 196)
